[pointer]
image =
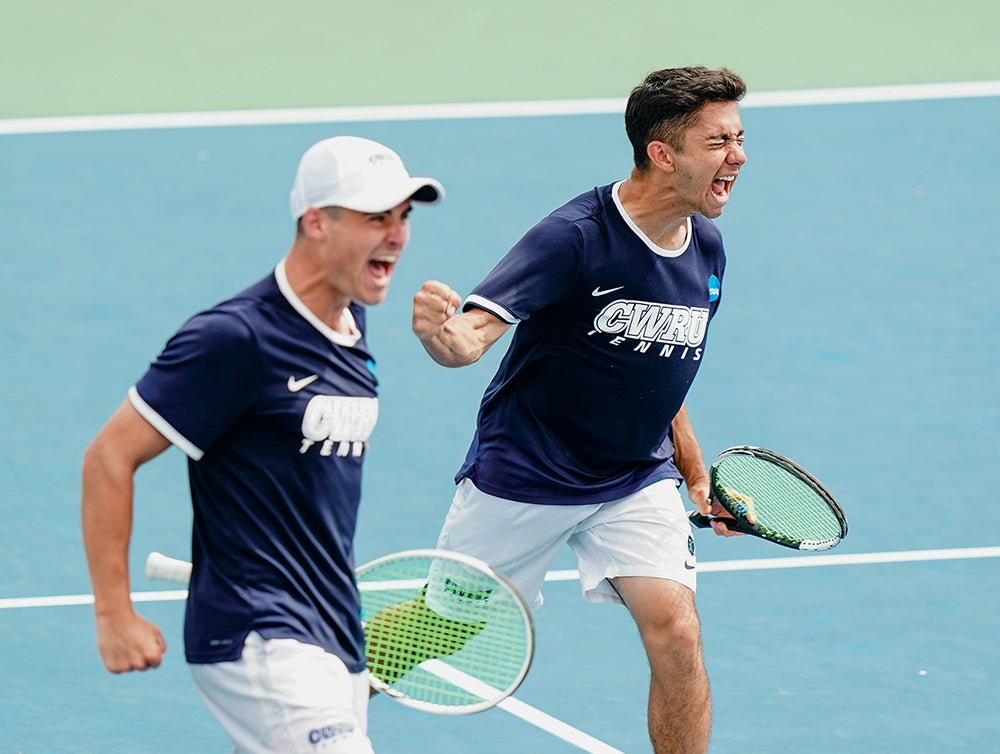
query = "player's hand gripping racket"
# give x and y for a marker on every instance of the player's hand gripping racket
(774, 498)
(444, 632)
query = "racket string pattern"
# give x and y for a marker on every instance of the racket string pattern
(443, 633)
(400, 637)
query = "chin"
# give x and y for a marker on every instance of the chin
(374, 298)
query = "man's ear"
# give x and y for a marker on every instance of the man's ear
(662, 156)
(312, 223)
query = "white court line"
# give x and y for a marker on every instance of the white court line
(519, 709)
(515, 109)
(535, 716)
(756, 564)
(556, 727)
(88, 599)
(809, 561)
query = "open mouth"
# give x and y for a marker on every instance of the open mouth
(722, 186)
(383, 266)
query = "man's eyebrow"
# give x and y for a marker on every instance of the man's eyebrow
(725, 136)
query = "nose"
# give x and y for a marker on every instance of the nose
(736, 156)
(397, 231)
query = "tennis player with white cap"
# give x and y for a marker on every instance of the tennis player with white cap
(272, 396)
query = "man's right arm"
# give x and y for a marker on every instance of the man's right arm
(125, 640)
(452, 338)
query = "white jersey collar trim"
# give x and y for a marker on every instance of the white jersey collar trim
(658, 250)
(328, 332)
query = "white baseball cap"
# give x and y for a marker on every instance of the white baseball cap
(358, 174)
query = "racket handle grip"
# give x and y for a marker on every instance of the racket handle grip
(162, 568)
(702, 521)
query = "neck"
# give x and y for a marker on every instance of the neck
(309, 283)
(654, 207)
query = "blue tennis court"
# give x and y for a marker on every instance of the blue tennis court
(858, 335)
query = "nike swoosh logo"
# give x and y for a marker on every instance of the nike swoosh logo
(598, 292)
(688, 566)
(296, 385)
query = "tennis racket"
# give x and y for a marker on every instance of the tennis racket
(444, 632)
(775, 499)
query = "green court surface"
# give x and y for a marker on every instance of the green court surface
(62, 57)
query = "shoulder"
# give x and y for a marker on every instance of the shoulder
(233, 323)
(585, 206)
(221, 322)
(574, 219)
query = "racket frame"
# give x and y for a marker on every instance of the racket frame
(491, 696)
(161, 567)
(739, 521)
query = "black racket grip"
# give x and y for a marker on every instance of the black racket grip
(705, 522)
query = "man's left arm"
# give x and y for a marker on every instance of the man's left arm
(690, 462)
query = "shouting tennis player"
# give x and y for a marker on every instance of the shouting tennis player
(583, 436)
(272, 396)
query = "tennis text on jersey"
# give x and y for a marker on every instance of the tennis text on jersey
(335, 420)
(647, 324)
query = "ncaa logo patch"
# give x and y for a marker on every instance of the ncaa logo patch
(714, 288)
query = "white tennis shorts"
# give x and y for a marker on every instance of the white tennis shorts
(286, 697)
(646, 533)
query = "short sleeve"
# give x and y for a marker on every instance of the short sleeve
(539, 270)
(202, 381)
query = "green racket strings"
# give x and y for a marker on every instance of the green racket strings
(422, 608)
(400, 637)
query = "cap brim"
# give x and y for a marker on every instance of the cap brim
(431, 192)
(422, 190)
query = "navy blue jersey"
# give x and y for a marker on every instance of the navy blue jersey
(611, 330)
(273, 410)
